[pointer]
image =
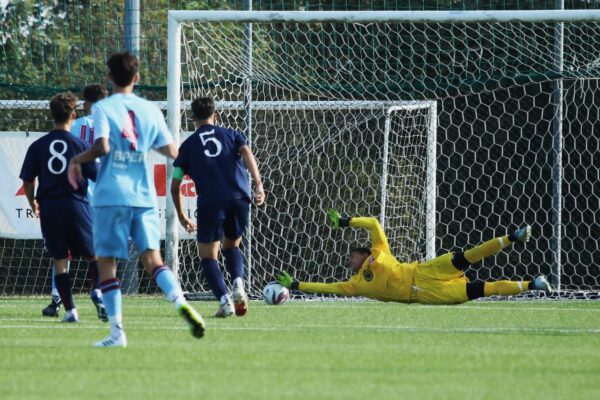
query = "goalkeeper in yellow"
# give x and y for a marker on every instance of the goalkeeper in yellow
(378, 275)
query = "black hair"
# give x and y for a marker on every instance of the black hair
(203, 108)
(361, 250)
(122, 67)
(94, 92)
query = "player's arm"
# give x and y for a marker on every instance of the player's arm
(346, 288)
(378, 238)
(164, 143)
(187, 223)
(29, 188)
(101, 147)
(29, 171)
(169, 150)
(252, 165)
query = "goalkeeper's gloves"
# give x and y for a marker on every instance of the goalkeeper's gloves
(287, 281)
(337, 220)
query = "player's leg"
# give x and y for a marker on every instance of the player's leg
(236, 220)
(479, 289)
(81, 243)
(95, 292)
(64, 287)
(145, 232)
(464, 259)
(111, 233)
(54, 221)
(53, 309)
(210, 223)
(112, 297)
(208, 253)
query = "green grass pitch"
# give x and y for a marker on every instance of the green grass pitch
(307, 350)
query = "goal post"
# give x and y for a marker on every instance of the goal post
(486, 77)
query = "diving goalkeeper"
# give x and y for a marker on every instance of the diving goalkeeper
(378, 275)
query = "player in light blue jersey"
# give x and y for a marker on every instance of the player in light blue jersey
(126, 127)
(83, 129)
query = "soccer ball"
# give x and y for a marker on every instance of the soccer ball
(275, 294)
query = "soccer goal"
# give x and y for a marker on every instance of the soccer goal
(451, 127)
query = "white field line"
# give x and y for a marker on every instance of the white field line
(346, 304)
(301, 327)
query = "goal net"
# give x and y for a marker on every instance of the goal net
(341, 109)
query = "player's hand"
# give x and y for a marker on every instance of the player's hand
(74, 174)
(334, 216)
(259, 195)
(285, 279)
(187, 224)
(36, 208)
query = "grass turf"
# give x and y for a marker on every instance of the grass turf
(307, 350)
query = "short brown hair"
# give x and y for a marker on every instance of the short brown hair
(203, 108)
(62, 107)
(94, 92)
(122, 68)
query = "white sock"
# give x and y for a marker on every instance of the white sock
(238, 282)
(224, 298)
(116, 326)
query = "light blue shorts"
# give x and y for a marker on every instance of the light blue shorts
(113, 226)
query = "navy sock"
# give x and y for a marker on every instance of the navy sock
(214, 277)
(63, 285)
(93, 274)
(234, 262)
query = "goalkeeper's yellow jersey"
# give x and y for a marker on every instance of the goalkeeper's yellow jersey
(381, 276)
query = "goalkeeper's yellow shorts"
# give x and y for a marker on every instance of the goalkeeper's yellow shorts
(439, 282)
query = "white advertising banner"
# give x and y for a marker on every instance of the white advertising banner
(16, 217)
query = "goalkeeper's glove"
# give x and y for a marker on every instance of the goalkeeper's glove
(287, 281)
(337, 220)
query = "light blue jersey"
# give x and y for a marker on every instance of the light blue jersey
(133, 126)
(83, 129)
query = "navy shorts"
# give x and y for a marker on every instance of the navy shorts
(227, 219)
(67, 226)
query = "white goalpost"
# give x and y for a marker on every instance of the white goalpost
(432, 121)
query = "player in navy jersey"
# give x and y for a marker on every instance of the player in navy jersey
(65, 213)
(126, 127)
(83, 129)
(214, 158)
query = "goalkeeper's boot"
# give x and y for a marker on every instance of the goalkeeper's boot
(521, 235)
(193, 318)
(96, 296)
(71, 316)
(240, 300)
(225, 309)
(52, 309)
(120, 341)
(541, 283)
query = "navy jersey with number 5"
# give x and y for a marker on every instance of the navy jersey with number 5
(48, 158)
(211, 158)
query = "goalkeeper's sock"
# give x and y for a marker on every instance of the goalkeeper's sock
(63, 285)
(234, 263)
(214, 276)
(486, 249)
(111, 296)
(505, 288)
(167, 282)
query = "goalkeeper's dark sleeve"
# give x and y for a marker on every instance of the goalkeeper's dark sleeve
(344, 221)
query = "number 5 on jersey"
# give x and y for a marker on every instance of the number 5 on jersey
(211, 139)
